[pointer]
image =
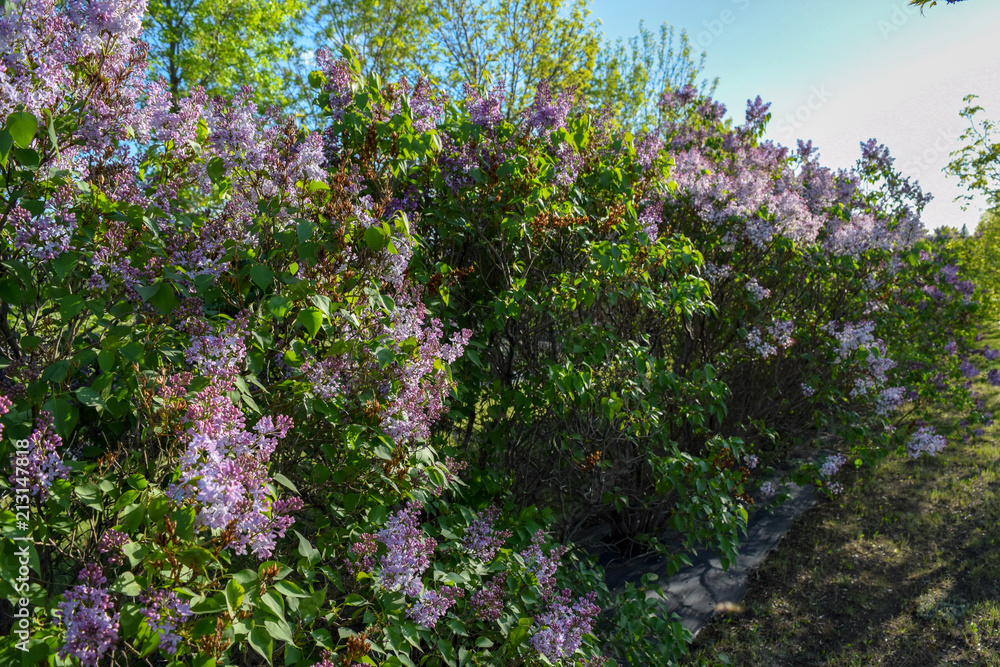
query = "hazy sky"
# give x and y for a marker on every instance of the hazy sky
(842, 71)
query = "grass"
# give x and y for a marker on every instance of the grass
(903, 568)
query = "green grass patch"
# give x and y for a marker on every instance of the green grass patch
(903, 568)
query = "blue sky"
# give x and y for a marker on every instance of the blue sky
(841, 71)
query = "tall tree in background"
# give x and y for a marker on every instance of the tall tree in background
(391, 38)
(221, 45)
(631, 76)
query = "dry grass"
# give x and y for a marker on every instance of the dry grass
(902, 569)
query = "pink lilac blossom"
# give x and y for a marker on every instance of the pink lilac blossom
(87, 613)
(563, 625)
(5, 405)
(44, 463)
(164, 613)
(546, 112)
(111, 544)
(807, 391)
(889, 399)
(408, 552)
(768, 341)
(756, 291)
(925, 440)
(432, 605)
(832, 465)
(482, 539)
(543, 566)
(224, 466)
(488, 602)
(44, 237)
(485, 111)
(363, 551)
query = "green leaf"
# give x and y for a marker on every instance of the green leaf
(289, 589)
(184, 523)
(285, 482)
(234, 596)
(90, 494)
(216, 169)
(280, 630)
(125, 500)
(90, 398)
(279, 306)
(126, 585)
(307, 550)
(312, 319)
(261, 642)
(261, 275)
(106, 360)
(56, 372)
(22, 126)
(376, 238)
(6, 143)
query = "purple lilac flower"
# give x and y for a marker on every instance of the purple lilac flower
(807, 391)
(432, 605)
(481, 538)
(968, 369)
(485, 111)
(41, 463)
(224, 469)
(756, 291)
(991, 354)
(768, 489)
(88, 615)
(925, 440)
(547, 113)
(993, 377)
(5, 405)
(563, 625)
(542, 566)
(111, 544)
(951, 348)
(752, 461)
(164, 613)
(487, 602)
(408, 552)
(832, 465)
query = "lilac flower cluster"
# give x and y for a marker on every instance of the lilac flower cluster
(487, 602)
(768, 341)
(432, 605)
(993, 377)
(968, 369)
(481, 538)
(364, 554)
(832, 465)
(542, 566)
(408, 552)
(546, 112)
(88, 615)
(44, 237)
(485, 111)
(164, 613)
(224, 466)
(563, 625)
(758, 292)
(43, 463)
(925, 440)
(5, 405)
(111, 544)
